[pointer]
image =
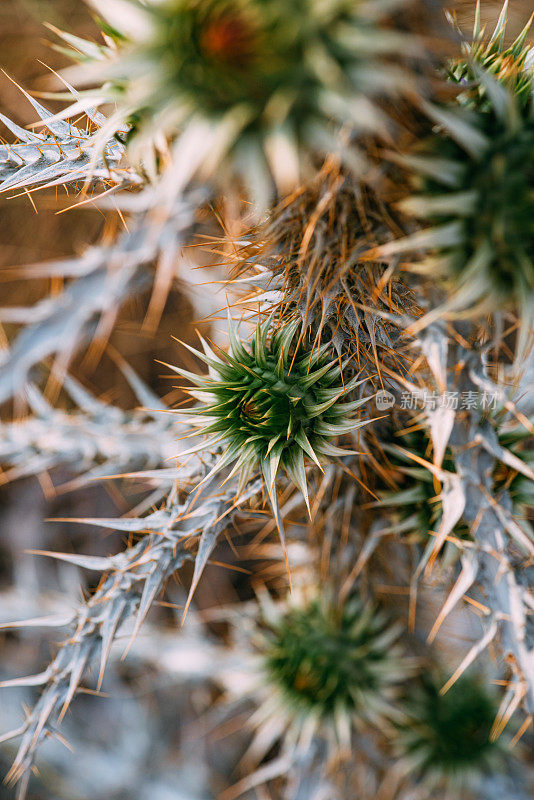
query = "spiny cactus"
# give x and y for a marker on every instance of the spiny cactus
(103, 278)
(476, 451)
(417, 497)
(516, 475)
(132, 580)
(96, 440)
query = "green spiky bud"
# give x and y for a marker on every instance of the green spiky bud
(475, 181)
(334, 661)
(477, 191)
(447, 742)
(511, 65)
(272, 404)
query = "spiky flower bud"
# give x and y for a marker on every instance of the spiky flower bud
(447, 742)
(512, 65)
(335, 663)
(479, 190)
(477, 183)
(273, 82)
(272, 404)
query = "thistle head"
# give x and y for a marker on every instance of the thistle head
(512, 65)
(272, 81)
(474, 180)
(273, 404)
(447, 742)
(477, 194)
(334, 663)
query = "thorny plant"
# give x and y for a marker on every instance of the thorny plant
(447, 739)
(398, 256)
(255, 91)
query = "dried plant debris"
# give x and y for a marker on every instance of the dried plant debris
(312, 258)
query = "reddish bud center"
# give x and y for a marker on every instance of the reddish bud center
(229, 39)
